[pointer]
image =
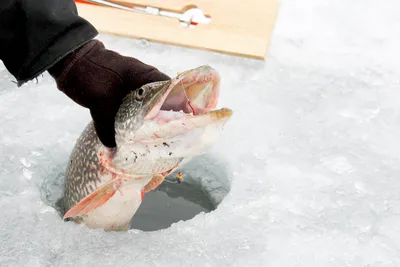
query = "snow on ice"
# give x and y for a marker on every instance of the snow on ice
(311, 154)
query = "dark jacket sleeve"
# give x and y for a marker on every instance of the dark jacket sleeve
(35, 34)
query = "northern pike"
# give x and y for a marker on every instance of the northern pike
(159, 127)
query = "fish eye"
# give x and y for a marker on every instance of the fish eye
(140, 94)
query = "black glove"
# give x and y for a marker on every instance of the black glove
(98, 79)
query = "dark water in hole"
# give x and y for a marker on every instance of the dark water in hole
(168, 204)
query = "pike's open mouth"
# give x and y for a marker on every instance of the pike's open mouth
(194, 92)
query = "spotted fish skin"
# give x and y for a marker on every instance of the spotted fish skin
(83, 174)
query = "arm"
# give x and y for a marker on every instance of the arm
(48, 35)
(35, 34)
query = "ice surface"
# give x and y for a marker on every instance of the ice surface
(312, 152)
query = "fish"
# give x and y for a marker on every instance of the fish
(159, 127)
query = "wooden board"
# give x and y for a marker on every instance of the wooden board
(237, 27)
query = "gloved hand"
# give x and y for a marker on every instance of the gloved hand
(98, 79)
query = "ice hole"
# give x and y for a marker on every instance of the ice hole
(205, 184)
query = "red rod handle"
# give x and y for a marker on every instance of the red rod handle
(85, 2)
(97, 4)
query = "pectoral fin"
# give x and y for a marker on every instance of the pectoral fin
(155, 181)
(94, 200)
